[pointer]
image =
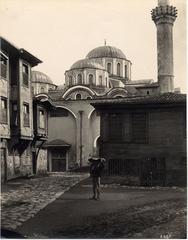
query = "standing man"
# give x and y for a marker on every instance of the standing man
(96, 168)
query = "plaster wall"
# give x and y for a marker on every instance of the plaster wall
(68, 129)
(42, 162)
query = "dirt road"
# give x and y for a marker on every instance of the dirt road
(121, 213)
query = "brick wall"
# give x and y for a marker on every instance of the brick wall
(166, 139)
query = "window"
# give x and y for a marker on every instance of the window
(41, 119)
(139, 127)
(100, 80)
(147, 92)
(125, 71)
(91, 82)
(26, 114)
(4, 114)
(78, 96)
(118, 69)
(42, 90)
(109, 69)
(79, 79)
(25, 74)
(3, 66)
(70, 81)
(115, 127)
(129, 127)
(88, 98)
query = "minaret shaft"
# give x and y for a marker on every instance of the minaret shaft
(164, 17)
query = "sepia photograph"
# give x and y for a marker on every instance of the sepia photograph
(93, 139)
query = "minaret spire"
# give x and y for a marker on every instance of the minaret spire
(104, 42)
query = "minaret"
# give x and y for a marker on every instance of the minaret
(164, 16)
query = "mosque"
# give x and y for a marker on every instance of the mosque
(74, 127)
(134, 124)
(105, 73)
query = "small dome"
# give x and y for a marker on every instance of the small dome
(106, 51)
(86, 63)
(40, 77)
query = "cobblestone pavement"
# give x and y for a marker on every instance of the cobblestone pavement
(21, 199)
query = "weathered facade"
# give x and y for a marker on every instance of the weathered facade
(18, 132)
(144, 138)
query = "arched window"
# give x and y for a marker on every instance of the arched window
(78, 96)
(125, 71)
(88, 98)
(79, 79)
(100, 80)
(91, 82)
(42, 90)
(118, 69)
(109, 68)
(70, 81)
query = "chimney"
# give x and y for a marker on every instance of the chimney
(164, 16)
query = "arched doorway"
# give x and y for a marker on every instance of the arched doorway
(96, 145)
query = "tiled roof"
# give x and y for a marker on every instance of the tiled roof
(7, 45)
(142, 81)
(56, 143)
(161, 98)
(56, 94)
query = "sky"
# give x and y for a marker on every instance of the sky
(60, 32)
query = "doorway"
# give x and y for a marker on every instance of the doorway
(58, 158)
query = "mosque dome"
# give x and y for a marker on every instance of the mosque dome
(86, 63)
(106, 51)
(40, 77)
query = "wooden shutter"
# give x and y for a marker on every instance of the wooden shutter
(139, 127)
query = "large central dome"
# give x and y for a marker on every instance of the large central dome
(106, 51)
